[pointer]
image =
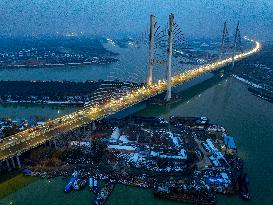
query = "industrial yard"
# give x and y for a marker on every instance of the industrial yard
(183, 158)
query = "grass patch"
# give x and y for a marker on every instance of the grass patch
(14, 184)
(8, 175)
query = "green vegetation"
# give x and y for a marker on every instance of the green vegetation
(8, 131)
(13, 184)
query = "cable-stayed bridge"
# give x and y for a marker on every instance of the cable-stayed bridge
(21, 142)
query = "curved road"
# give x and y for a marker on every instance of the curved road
(30, 138)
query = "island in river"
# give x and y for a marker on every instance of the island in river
(54, 51)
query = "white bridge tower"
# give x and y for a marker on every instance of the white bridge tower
(168, 63)
(235, 44)
(151, 50)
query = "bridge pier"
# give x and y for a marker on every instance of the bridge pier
(18, 161)
(13, 163)
(8, 165)
(84, 129)
(93, 126)
(55, 144)
(52, 143)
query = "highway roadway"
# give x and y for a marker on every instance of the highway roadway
(30, 138)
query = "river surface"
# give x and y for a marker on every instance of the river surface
(132, 66)
(25, 111)
(246, 117)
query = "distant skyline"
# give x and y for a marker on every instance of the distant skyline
(202, 18)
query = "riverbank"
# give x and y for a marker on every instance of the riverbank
(257, 72)
(64, 93)
(14, 184)
(257, 90)
(247, 82)
(95, 61)
(27, 111)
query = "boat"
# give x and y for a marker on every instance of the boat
(69, 187)
(91, 183)
(79, 184)
(75, 185)
(75, 174)
(245, 195)
(83, 183)
(95, 186)
(27, 172)
(103, 194)
(186, 196)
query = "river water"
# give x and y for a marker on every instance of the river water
(130, 60)
(25, 111)
(246, 117)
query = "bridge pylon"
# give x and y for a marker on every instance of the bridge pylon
(235, 43)
(151, 50)
(151, 59)
(169, 58)
(224, 41)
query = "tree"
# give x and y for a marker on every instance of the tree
(8, 131)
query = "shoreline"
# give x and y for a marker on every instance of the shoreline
(57, 103)
(256, 89)
(246, 81)
(61, 65)
(17, 182)
(64, 93)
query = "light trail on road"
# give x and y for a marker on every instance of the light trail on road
(33, 137)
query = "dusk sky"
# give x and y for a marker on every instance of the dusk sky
(202, 18)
